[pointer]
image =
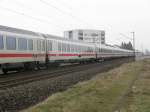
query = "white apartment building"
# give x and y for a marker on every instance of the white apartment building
(90, 36)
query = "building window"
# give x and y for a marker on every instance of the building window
(1, 42)
(11, 43)
(80, 38)
(85, 34)
(30, 44)
(102, 38)
(22, 44)
(102, 34)
(70, 35)
(94, 35)
(80, 33)
(102, 42)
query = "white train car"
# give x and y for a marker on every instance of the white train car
(20, 48)
(105, 51)
(65, 50)
(27, 49)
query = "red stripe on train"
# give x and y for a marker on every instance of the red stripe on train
(68, 54)
(15, 55)
(40, 55)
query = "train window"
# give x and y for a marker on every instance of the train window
(72, 48)
(75, 48)
(92, 49)
(63, 47)
(59, 47)
(81, 48)
(11, 43)
(43, 45)
(89, 49)
(85, 49)
(22, 44)
(68, 47)
(30, 44)
(38, 45)
(1, 42)
(78, 48)
(102, 50)
(49, 45)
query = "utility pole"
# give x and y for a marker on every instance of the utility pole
(142, 49)
(94, 42)
(133, 33)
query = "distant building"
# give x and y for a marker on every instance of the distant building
(90, 36)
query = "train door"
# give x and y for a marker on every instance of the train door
(40, 56)
(46, 52)
(96, 52)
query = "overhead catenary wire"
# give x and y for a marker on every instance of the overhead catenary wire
(45, 21)
(35, 10)
(66, 13)
(60, 10)
(125, 36)
(63, 3)
(29, 16)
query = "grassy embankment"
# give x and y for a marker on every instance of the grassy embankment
(106, 92)
(139, 99)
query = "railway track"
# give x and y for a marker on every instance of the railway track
(15, 73)
(10, 82)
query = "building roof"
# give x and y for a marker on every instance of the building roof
(85, 30)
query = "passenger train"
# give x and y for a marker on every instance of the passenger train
(26, 49)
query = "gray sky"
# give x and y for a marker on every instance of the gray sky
(113, 16)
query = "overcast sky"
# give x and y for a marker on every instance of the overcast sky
(56, 16)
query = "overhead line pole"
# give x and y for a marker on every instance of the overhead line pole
(134, 42)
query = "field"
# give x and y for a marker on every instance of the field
(124, 89)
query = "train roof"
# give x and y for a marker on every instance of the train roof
(17, 30)
(114, 48)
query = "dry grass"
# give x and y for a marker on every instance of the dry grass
(139, 99)
(99, 94)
